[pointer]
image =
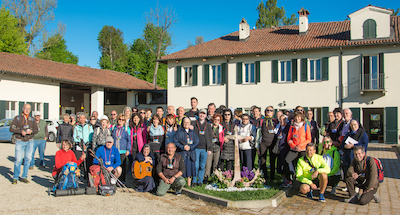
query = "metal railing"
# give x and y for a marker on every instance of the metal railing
(373, 82)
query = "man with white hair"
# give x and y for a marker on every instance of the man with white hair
(24, 128)
(347, 119)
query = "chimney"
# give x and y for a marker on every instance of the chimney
(244, 30)
(303, 21)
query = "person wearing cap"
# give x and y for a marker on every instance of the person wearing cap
(145, 184)
(100, 133)
(110, 156)
(39, 140)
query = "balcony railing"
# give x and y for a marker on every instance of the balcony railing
(374, 82)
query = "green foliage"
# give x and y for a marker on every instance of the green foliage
(11, 37)
(396, 12)
(57, 51)
(271, 15)
(113, 49)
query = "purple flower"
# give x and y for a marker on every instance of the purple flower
(246, 173)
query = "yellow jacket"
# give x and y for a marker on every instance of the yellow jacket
(303, 172)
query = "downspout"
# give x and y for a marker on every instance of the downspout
(340, 79)
(226, 84)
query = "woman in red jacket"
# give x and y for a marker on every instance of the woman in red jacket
(64, 156)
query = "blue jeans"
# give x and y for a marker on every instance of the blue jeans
(23, 151)
(41, 144)
(201, 159)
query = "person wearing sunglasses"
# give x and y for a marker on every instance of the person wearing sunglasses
(335, 128)
(268, 141)
(332, 159)
(247, 148)
(228, 148)
(217, 143)
(314, 128)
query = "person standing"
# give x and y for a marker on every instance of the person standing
(314, 129)
(335, 127)
(193, 113)
(181, 115)
(160, 113)
(228, 148)
(211, 111)
(217, 143)
(171, 110)
(24, 128)
(268, 140)
(64, 131)
(39, 140)
(113, 119)
(122, 142)
(83, 133)
(95, 114)
(247, 148)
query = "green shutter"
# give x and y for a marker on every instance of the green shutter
(275, 110)
(3, 107)
(294, 70)
(31, 103)
(45, 110)
(325, 111)
(325, 68)
(224, 73)
(21, 105)
(274, 73)
(381, 77)
(206, 75)
(361, 72)
(305, 110)
(303, 69)
(258, 71)
(391, 124)
(194, 69)
(239, 72)
(178, 78)
(356, 113)
(369, 29)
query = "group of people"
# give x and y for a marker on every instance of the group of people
(193, 144)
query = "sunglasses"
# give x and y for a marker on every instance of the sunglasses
(92, 119)
(300, 110)
(113, 114)
(226, 114)
(122, 119)
(326, 141)
(141, 112)
(269, 110)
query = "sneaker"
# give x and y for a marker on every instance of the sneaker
(310, 195)
(344, 189)
(178, 193)
(24, 180)
(14, 181)
(377, 198)
(333, 191)
(351, 199)
(31, 168)
(321, 198)
(286, 183)
(113, 181)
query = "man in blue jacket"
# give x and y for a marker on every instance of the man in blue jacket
(110, 156)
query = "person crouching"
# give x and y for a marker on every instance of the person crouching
(111, 158)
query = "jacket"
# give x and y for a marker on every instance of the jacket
(20, 123)
(250, 131)
(83, 133)
(63, 157)
(348, 155)
(228, 149)
(300, 137)
(122, 139)
(371, 172)
(220, 136)
(99, 136)
(335, 159)
(110, 156)
(138, 137)
(281, 137)
(42, 131)
(207, 133)
(303, 172)
(267, 131)
(181, 139)
(64, 132)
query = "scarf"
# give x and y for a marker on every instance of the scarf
(298, 125)
(358, 134)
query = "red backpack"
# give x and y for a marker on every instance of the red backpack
(97, 176)
(379, 167)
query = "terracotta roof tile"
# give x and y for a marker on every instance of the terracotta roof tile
(25, 65)
(285, 38)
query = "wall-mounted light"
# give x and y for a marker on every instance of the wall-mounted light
(284, 103)
(72, 99)
(257, 55)
(231, 57)
(294, 52)
(177, 61)
(204, 59)
(108, 102)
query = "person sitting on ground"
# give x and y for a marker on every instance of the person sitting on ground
(110, 156)
(332, 158)
(170, 170)
(312, 171)
(65, 155)
(145, 184)
(363, 174)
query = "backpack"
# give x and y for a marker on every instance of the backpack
(68, 178)
(379, 167)
(97, 176)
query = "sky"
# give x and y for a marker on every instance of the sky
(211, 19)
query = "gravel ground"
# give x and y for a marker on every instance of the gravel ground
(32, 198)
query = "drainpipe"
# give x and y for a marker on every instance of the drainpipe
(226, 84)
(340, 79)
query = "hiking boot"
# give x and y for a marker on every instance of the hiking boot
(333, 191)
(14, 181)
(31, 168)
(310, 195)
(24, 180)
(377, 198)
(178, 193)
(321, 197)
(351, 199)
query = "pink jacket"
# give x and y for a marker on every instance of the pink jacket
(141, 136)
(221, 135)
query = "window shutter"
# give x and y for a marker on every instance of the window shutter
(45, 110)
(3, 107)
(21, 105)
(178, 78)
(294, 70)
(257, 71)
(366, 75)
(381, 77)
(305, 110)
(303, 70)
(239, 72)
(276, 110)
(361, 72)
(325, 68)
(31, 103)
(356, 113)
(206, 75)
(325, 111)
(224, 71)
(369, 29)
(274, 73)
(194, 69)
(391, 124)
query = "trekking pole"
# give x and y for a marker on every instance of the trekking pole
(84, 161)
(119, 183)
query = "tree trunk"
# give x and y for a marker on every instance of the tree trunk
(157, 57)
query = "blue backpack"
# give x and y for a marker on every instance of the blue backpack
(67, 178)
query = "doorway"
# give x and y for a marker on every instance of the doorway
(373, 119)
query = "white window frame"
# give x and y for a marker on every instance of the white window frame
(214, 80)
(315, 66)
(184, 72)
(285, 74)
(245, 66)
(370, 71)
(10, 112)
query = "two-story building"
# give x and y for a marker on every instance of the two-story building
(349, 64)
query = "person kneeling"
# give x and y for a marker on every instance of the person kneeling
(362, 173)
(312, 171)
(170, 169)
(111, 158)
(146, 183)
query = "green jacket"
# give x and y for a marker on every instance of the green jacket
(336, 160)
(303, 173)
(42, 131)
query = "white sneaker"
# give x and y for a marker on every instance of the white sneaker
(113, 181)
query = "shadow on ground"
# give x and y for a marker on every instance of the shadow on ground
(6, 172)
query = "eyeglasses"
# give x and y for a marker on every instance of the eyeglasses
(327, 141)
(217, 120)
(92, 119)
(269, 110)
(113, 114)
(122, 119)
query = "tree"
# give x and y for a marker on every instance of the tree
(33, 16)
(112, 48)
(156, 34)
(271, 15)
(57, 52)
(396, 12)
(11, 37)
(199, 40)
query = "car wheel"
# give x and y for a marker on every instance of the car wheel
(52, 137)
(13, 140)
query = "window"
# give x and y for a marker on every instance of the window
(249, 73)
(285, 74)
(372, 75)
(369, 29)
(215, 77)
(187, 76)
(10, 109)
(315, 70)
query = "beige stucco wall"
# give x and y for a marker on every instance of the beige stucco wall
(381, 17)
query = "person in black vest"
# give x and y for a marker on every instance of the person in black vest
(335, 128)
(314, 129)
(228, 148)
(268, 141)
(193, 113)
